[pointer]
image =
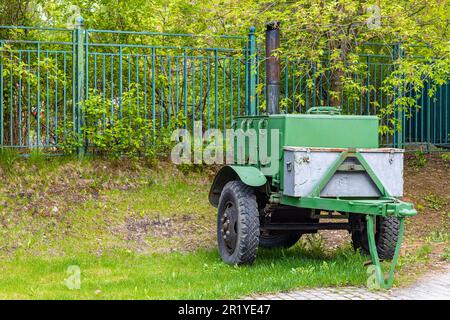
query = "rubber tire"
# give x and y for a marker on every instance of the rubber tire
(386, 237)
(244, 200)
(281, 240)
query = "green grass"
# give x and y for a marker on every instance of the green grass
(199, 275)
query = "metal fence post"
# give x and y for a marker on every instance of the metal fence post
(1, 94)
(251, 104)
(314, 67)
(79, 79)
(398, 133)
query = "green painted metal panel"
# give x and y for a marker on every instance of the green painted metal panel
(330, 131)
(250, 175)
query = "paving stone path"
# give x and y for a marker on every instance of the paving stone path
(434, 286)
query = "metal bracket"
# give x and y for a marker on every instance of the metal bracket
(382, 281)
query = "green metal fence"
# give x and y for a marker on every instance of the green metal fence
(44, 82)
(47, 73)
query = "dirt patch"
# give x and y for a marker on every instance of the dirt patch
(138, 228)
(57, 188)
(335, 238)
(153, 233)
(428, 187)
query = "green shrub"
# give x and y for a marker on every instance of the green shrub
(115, 129)
(70, 140)
(445, 157)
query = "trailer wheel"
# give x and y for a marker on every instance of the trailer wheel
(272, 240)
(237, 224)
(386, 235)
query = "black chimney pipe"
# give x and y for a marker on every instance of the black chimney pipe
(272, 68)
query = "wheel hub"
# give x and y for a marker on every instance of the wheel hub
(229, 228)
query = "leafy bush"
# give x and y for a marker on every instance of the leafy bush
(445, 158)
(119, 128)
(70, 140)
(116, 128)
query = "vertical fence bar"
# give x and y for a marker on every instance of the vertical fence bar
(238, 106)
(1, 94)
(79, 78)
(441, 113)
(294, 71)
(169, 94)
(428, 117)
(252, 72)
(20, 103)
(231, 90)
(145, 87)
(257, 74)
(65, 97)
(314, 85)
(47, 100)
(161, 104)
(368, 87)
(286, 79)
(136, 70)
(208, 102)
(224, 93)
(120, 75)
(200, 94)
(104, 76)
(246, 67)
(111, 66)
(446, 117)
(85, 61)
(153, 93)
(177, 80)
(185, 93)
(38, 96)
(11, 99)
(74, 84)
(398, 133)
(56, 101)
(95, 73)
(29, 100)
(193, 93)
(216, 88)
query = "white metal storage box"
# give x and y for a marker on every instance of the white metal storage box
(305, 167)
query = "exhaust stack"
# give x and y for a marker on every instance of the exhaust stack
(272, 68)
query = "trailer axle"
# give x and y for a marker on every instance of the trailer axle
(307, 226)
